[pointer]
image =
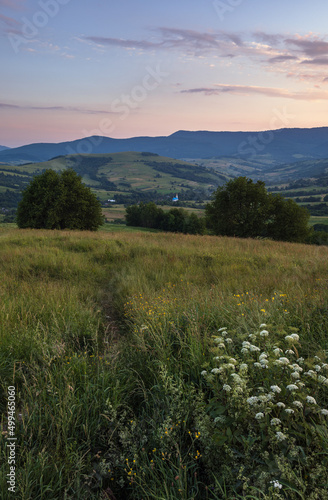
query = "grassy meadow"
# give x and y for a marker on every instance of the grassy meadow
(163, 366)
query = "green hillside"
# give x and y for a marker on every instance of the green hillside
(163, 366)
(127, 177)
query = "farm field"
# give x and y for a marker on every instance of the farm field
(319, 220)
(164, 366)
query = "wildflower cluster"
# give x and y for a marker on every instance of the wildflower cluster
(265, 387)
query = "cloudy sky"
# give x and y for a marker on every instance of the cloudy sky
(75, 68)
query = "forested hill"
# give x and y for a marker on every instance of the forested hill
(280, 146)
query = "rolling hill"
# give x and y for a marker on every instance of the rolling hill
(127, 177)
(271, 147)
(307, 169)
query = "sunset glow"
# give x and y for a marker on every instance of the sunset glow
(75, 68)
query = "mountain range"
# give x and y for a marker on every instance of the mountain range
(275, 147)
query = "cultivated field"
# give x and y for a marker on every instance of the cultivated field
(164, 366)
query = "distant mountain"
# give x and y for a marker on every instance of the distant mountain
(2, 148)
(274, 147)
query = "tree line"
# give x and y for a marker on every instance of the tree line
(241, 208)
(176, 220)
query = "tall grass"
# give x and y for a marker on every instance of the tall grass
(105, 337)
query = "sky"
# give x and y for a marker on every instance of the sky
(77, 68)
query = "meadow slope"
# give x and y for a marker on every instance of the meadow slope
(163, 366)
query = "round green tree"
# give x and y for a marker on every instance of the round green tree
(288, 221)
(59, 201)
(244, 209)
(240, 208)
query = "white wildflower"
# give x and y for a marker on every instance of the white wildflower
(276, 483)
(289, 351)
(217, 340)
(300, 360)
(226, 388)
(295, 375)
(275, 421)
(228, 341)
(284, 361)
(236, 378)
(324, 412)
(281, 405)
(265, 398)
(246, 344)
(221, 346)
(215, 371)
(264, 333)
(258, 365)
(311, 400)
(292, 387)
(294, 336)
(289, 410)
(300, 384)
(203, 373)
(230, 365)
(277, 351)
(310, 372)
(322, 379)
(263, 356)
(280, 436)
(232, 360)
(324, 365)
(244, 350)
(221, 329)
(263, 325)
(297, 368)
(258, 416)
(317, 368)
(275, 388)
(254, 348)
(243, 367)
(298, 404)
(317, 358)
(252, 400)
